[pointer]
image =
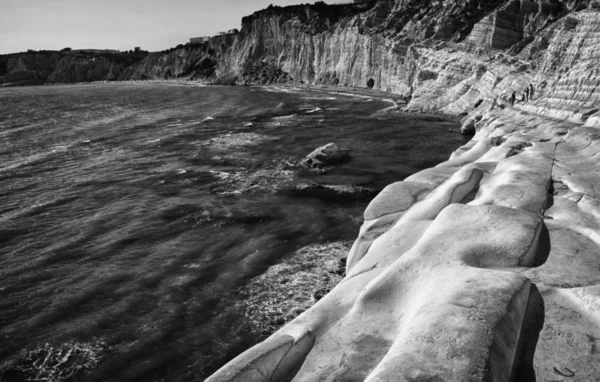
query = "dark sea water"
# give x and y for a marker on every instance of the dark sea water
(127, 211)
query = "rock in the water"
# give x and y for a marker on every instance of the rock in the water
(327, 155)
(482, 268)
(337, 192)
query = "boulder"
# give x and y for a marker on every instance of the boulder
(329, 154)
(468, 124)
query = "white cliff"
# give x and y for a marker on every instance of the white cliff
(487, 266)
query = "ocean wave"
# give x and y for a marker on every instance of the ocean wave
(353, 95)
(280, 89)
(34, 158)
(320, 98)
(284, 117)
(315, 110)
(384, 111)
(108, 240)
(21, 129)
(283, 120)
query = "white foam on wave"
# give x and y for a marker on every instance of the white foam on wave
(368, 98)
(154, 140)
(283, 120)
(275, 89)
(317, 109)
(7, 133)
(38, 157)
(320, 98)
(189, 123)
(60, 149)
(385, 111)
(280, 89)
(284, 117)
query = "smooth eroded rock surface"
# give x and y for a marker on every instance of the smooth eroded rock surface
(485, 267)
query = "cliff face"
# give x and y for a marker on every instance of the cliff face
(191, 61)
(35, 68)
(409, 47)
(85, 69)
(29, 68)
(485, 267)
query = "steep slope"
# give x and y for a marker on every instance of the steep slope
(347, 45)
(36, 68)
(28, 68)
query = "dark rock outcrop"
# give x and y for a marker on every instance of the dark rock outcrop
(28, 68)
(327, 155)
(36, 68)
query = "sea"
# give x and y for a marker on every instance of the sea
(136, 216)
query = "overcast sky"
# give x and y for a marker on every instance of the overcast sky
(118, 24)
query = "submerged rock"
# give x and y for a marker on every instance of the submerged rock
(327, 155)
(231, 141)
(287, 289)
(336, 192)
(274, 177)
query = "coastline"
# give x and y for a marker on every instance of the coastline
(519, 188)
(317, 214)
(482, 267)
(395, 99)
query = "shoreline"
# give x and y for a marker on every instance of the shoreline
(389, 97)
(523, 182)
(346, 224)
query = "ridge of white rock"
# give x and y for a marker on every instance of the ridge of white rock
(487, 266)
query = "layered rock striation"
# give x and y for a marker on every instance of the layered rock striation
(384, 41)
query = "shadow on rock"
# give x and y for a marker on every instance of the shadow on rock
(533, 323)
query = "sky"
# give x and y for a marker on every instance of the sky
(118, 24)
